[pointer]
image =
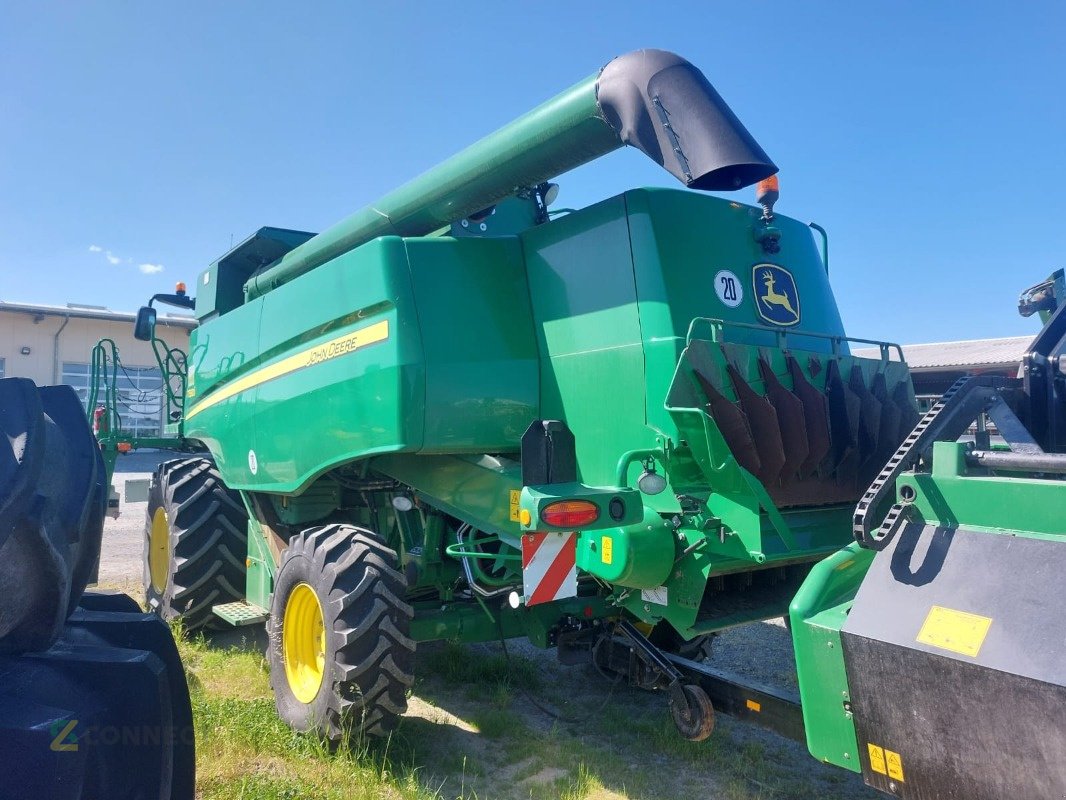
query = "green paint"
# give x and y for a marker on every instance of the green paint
(383, 373)
(598, 318)
(636, 556)
(817, 613)
(261, 566)
(954, 495)
(949, 495)
(560, 134)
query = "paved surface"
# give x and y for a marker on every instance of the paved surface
(120, 555)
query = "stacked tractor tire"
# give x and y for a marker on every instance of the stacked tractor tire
(93, 699)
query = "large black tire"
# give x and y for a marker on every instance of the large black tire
(200, 561)
(53, 493)
(366, 657)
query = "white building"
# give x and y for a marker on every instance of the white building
(53, 344)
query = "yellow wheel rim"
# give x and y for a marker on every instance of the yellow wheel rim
(159, 550)
(303, 643)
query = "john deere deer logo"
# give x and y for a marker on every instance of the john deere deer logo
(776, 296)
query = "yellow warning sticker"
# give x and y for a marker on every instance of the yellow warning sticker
(754, 705)
(957, 631)
(895, 765)
(516, 497)
(877, 759)
(606, 549)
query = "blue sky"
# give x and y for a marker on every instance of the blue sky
(925, 136)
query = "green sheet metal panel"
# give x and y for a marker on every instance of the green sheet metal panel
(682, 242)
(477, 337)
(474, 489)
(358, 398)
(817, 613)
(588, 330)
(450, 364)
(339, 374)
(221, 352)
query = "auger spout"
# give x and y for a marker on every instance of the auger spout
(653, 100)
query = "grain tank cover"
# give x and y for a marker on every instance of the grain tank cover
(659, 103)
(656, 101)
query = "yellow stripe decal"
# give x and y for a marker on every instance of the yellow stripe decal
(342, 345)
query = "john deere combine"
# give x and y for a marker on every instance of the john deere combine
(458, 415)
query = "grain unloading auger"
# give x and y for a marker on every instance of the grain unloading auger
(457, 415)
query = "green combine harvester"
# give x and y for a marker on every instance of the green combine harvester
(459, 414)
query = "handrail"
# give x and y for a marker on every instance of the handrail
(825, 243)
(99, 361)
(173, 365)
(717, 327)
(104, 366)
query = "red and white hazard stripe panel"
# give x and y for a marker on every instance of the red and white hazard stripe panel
(548, 569)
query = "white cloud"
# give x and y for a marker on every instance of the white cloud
(146, 268)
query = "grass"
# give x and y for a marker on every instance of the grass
(469, 741)
(244, 752)
(455, 664)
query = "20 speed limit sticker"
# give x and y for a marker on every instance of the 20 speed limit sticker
(727, 287)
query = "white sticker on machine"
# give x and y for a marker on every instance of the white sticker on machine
(727, 287)
(657, 595)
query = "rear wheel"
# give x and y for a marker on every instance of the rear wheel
(341, 657)
(195, 543)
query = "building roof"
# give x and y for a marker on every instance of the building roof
(970, 353)
(80, 311)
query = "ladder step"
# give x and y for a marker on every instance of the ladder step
(240, 613)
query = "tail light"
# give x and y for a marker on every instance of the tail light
(570, 513)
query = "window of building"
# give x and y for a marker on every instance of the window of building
(139, 395)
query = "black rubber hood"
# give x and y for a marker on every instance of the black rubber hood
(661, 104)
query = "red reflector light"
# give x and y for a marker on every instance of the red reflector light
(570, 513)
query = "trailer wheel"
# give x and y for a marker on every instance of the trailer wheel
(195, 543)
(341, 658)
(692, 712)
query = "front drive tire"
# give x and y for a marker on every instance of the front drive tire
(195, 543)
(341, 657)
